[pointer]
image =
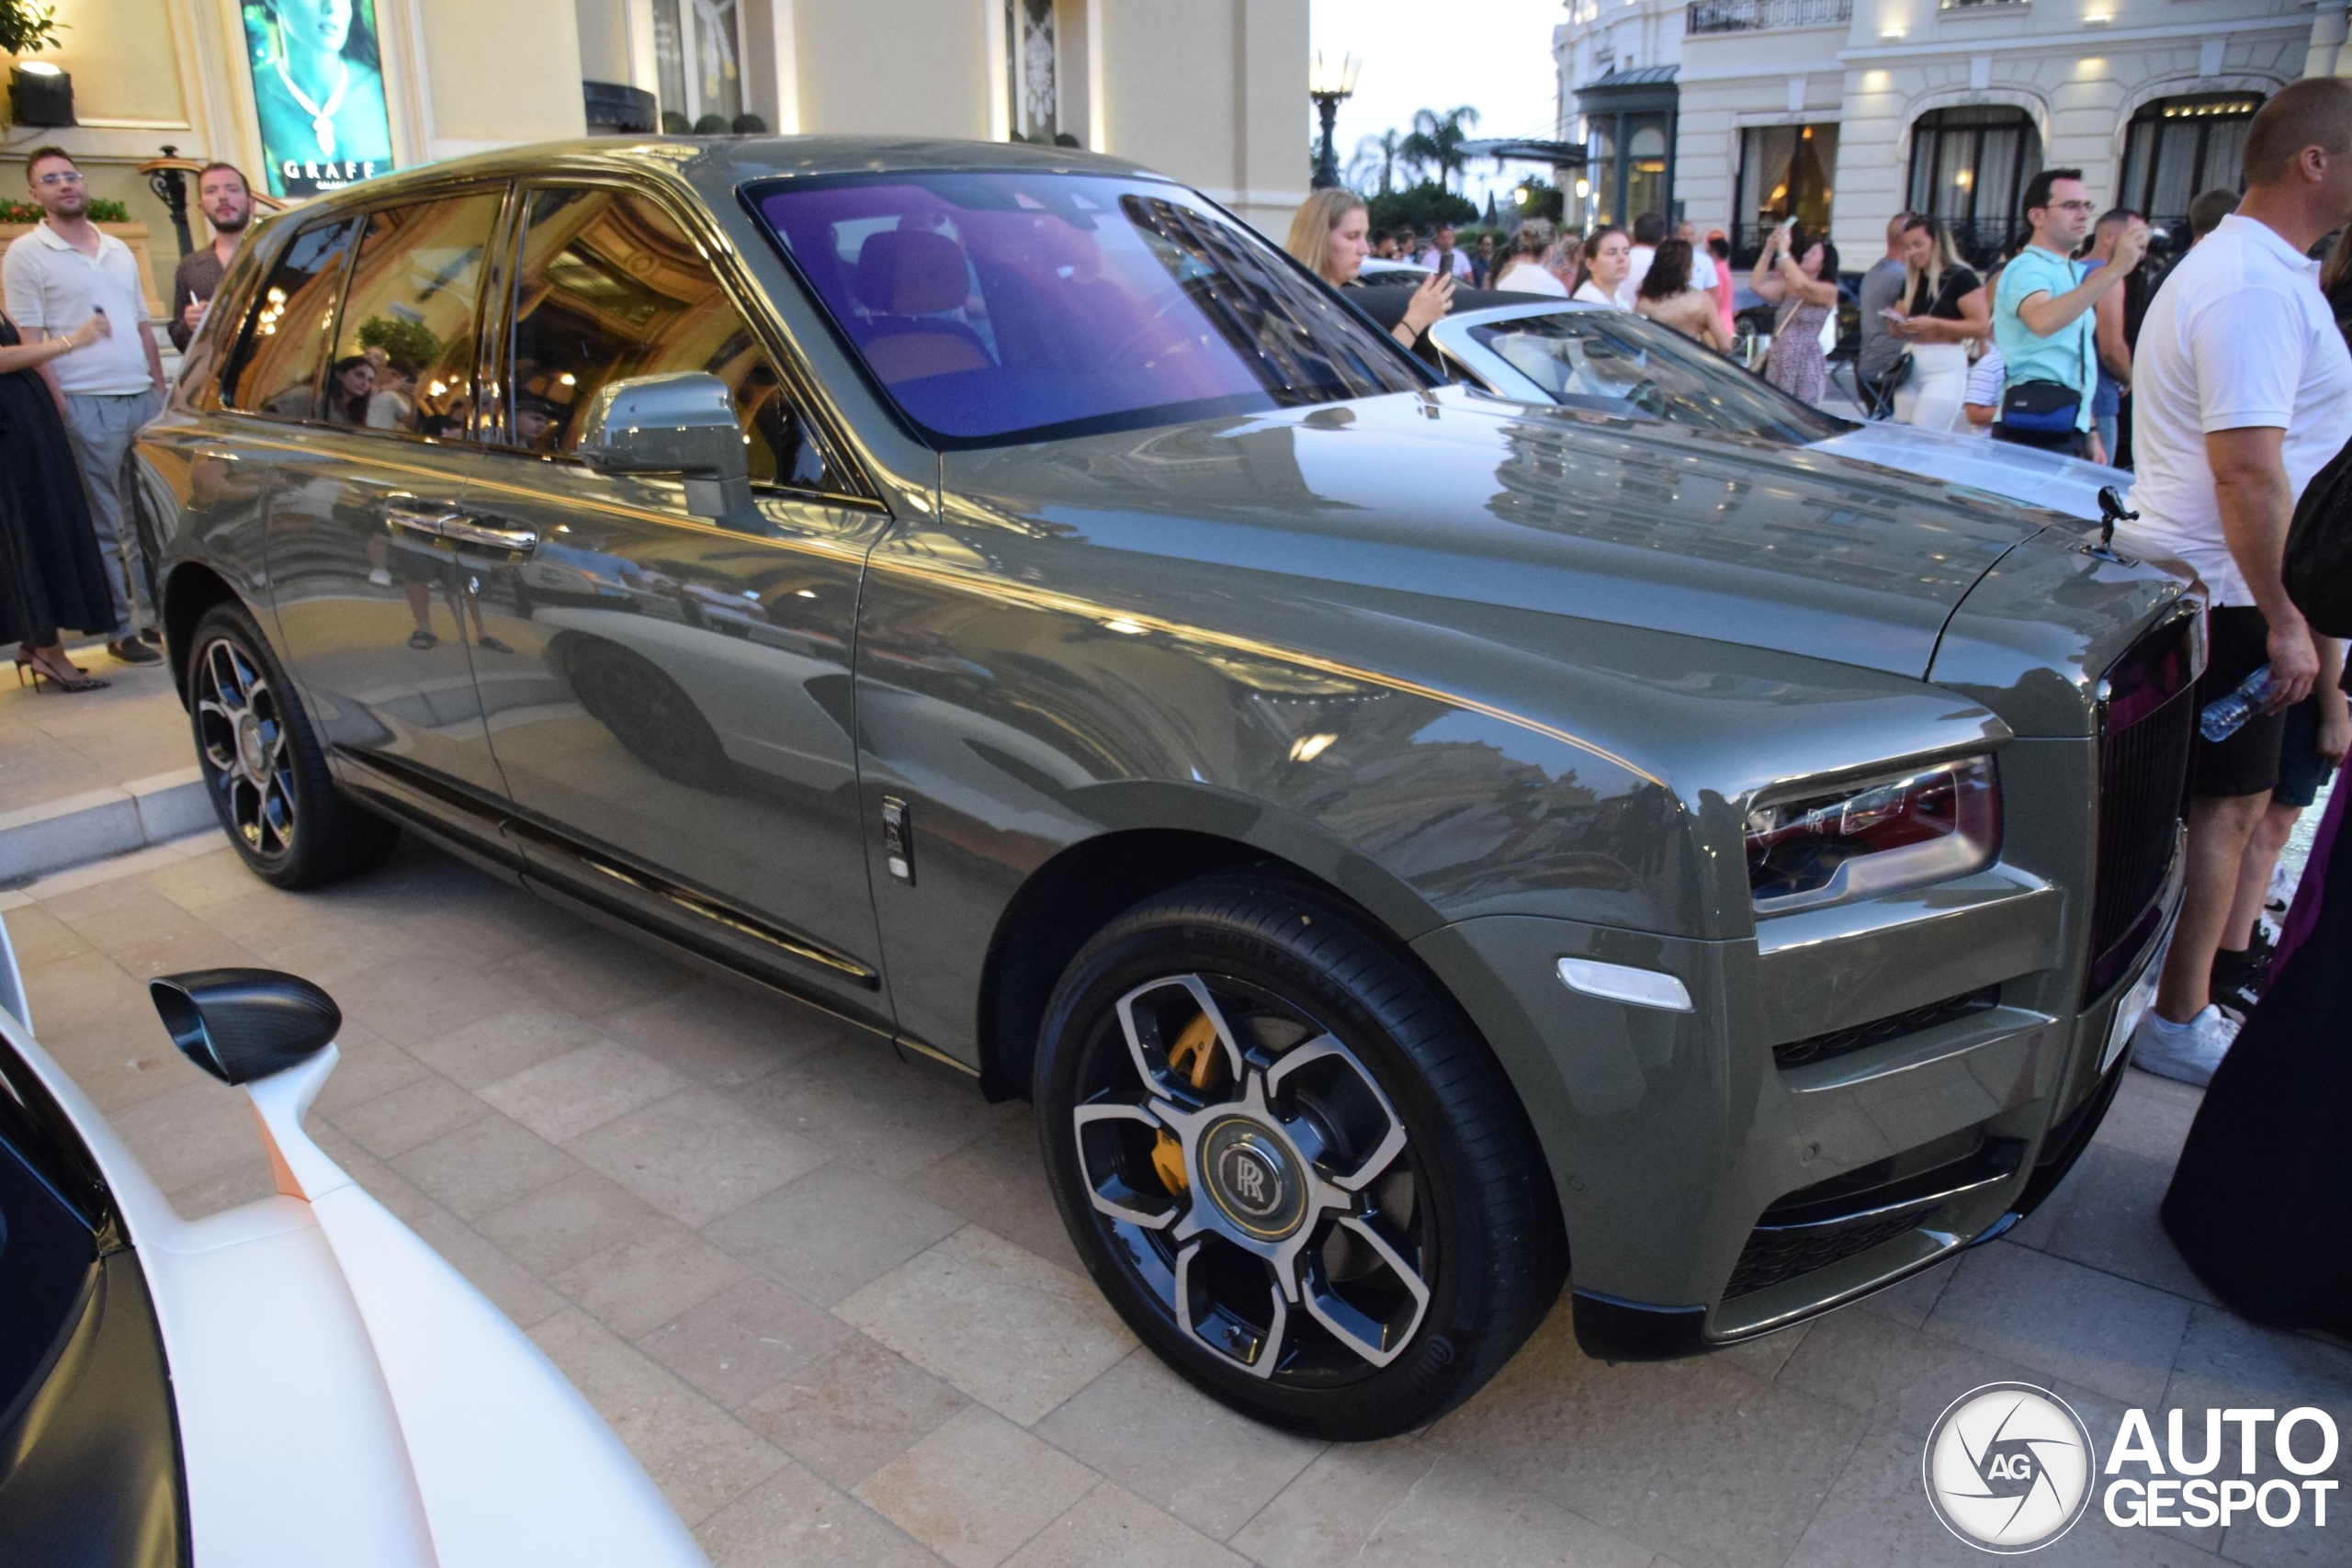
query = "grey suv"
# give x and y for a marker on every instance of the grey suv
(1409, 845)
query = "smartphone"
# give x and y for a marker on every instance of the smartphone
(1891, 314)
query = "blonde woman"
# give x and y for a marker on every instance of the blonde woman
(1945, 308)
(1528, 268)
(1331, 235)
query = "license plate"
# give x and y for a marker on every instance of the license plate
(2135, 1003)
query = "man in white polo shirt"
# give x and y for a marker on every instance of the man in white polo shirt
(2242, 392)
(55, 278)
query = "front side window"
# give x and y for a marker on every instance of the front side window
(404, 352)
(1604, 361)
(1003, 307)
(608, 287)
(275, 370)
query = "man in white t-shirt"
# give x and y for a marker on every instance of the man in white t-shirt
(2240, 393)
(1648, 230)
(55, 278)
(1703, 275)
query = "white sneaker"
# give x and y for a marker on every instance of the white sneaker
(380, 578)
(2185, 1053)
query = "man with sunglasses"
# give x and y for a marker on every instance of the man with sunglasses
(56, 278)
(2045, 321)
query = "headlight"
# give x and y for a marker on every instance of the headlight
(1939, 822)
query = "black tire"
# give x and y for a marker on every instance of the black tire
(277, 801)
(1465, 1204)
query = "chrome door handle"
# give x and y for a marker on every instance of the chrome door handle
(471, 531)
(419, 517)
(445, 522)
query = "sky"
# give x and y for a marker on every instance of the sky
(1495, 55)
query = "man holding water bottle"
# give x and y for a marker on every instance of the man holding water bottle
(228, 205)
(2242, 391)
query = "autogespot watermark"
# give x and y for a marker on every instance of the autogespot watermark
(2010, 1468)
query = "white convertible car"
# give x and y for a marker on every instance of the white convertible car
(1614, 362)
(298, 1382)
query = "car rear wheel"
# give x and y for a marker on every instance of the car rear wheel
(262, 765)
(1290, 1163)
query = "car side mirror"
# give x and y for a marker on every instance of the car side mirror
(245, 1024)
(681, 425)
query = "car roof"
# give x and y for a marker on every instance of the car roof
(721, 161)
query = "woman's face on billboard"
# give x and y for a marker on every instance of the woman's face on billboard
(322, 25)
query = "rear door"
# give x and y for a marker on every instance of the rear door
(373, 613)
(668, 696)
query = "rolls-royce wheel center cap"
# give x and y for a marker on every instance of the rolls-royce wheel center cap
(1253, 1178)
(250, 745)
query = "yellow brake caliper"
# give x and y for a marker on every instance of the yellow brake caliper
(1196, 1059)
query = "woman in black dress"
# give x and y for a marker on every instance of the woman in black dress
(2261, 1203)
(50, 575)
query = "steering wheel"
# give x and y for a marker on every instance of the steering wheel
(1157, 321)
(1650, 397)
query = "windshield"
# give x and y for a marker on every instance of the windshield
(1004, 307)
(1622, 365)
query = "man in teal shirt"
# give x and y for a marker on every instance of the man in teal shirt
(2044, 322)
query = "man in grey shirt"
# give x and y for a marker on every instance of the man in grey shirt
(56, 277)
(1881, 350)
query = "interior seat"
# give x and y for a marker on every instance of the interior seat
(906, 277)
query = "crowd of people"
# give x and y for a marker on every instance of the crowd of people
(80, 372)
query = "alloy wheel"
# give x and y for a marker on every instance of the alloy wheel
(1256, 1179)
(241, 730)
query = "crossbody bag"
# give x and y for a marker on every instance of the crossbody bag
(2045, 408)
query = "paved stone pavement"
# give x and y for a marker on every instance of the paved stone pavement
(826, 1300)
(58, 745)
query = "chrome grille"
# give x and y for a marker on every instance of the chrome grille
(2147, 721)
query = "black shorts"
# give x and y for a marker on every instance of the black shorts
(2301, 771)
(2237, 644)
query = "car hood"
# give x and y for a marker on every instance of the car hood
(2021, 473)
(1463, 497)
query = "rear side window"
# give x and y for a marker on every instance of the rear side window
(275, 370)
(608, 286)
(404, 352)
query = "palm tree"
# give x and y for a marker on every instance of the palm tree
(1437, 138)
(1380, 154)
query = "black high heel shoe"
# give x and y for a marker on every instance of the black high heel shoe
(74, 682)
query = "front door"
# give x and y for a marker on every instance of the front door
(668, 696)
(372, 612)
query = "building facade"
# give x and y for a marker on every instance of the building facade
(1211, 92)
(1844, 112)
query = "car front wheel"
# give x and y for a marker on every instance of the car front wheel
(1289, 1161)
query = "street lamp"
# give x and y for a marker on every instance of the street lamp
(1327, 85)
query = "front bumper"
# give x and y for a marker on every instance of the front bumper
(1712, 1191)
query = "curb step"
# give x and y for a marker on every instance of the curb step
(98, 823)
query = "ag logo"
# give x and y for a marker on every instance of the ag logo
(2008, 1467)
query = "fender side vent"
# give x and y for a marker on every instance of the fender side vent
(1860, 1036)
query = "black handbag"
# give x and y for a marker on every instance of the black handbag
(2319, 549)
(2044, 408)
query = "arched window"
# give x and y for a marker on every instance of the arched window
(1969, 167)
(2179, 148)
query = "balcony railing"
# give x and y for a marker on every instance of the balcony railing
(1751, 16)
(1980, 5)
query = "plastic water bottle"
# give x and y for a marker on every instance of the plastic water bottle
(2223, 716)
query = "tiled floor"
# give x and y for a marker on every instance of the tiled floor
(826, 1300)
(53, 745)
